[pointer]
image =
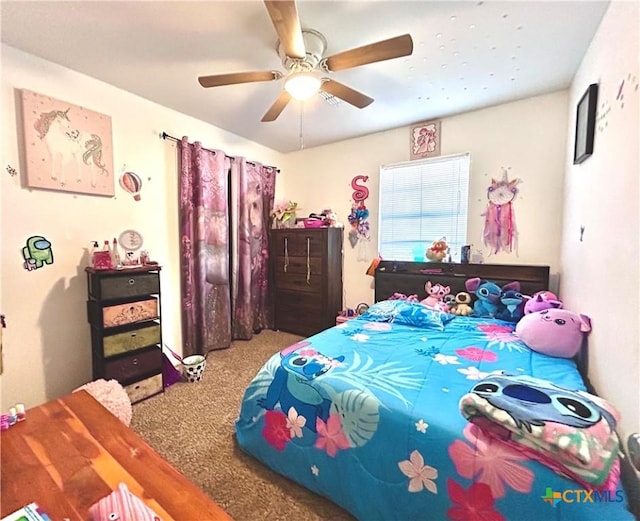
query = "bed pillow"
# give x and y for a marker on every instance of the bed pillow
(406, 313)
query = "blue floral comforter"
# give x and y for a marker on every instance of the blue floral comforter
(366, 413)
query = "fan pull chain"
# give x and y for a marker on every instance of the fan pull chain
(286, 254)
(301, 125)
(308, 263)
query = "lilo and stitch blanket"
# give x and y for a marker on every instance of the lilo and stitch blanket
(366, 413)
(571, 431)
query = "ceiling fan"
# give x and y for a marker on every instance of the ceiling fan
(302, 54)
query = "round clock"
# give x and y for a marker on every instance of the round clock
(130, 240)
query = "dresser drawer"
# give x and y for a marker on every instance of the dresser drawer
(124, 285)
(298, 313)
(122, 314)
(130, 340)
(144, 388)
(297, 265)
(298, 281)
(134, 366)
(299, 243)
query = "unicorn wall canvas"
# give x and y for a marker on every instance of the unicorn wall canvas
(67, 147)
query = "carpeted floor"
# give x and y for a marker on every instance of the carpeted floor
(192, 426)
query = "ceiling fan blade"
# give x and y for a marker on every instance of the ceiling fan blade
(351, 96)
(218, 80)
(275, 109)
(284, 16)
(374, 52)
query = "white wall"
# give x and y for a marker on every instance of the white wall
(527, 136)
(601, 273)
(47, 349)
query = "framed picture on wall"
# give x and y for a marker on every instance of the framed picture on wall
(66, 147)
(585, 124)
(424, 140)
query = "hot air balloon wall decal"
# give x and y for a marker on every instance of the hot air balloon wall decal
(131, 183)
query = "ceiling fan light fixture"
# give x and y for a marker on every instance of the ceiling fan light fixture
(302, 85)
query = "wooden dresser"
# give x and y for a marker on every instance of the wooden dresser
(306, 276)
(123, 309)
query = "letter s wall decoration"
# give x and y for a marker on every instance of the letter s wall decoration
(359, 235)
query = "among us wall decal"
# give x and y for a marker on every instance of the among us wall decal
(37, 253)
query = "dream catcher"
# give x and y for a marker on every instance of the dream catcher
(499, 221)
(360, 232)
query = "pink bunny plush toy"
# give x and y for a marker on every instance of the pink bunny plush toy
(554, 332)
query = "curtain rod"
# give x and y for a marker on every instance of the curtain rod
(164, 135)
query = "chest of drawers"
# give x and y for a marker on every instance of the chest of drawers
(306, 275)
(123, 310)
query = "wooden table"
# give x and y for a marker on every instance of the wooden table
(71, 452)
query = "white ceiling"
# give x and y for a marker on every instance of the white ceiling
(467, 55)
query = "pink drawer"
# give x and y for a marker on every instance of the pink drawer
(130, 313)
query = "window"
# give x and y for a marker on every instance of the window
(421, 202)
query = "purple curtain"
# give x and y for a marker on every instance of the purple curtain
(204, 249)
(254, 187)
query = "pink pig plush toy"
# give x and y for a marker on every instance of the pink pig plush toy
(554, 332)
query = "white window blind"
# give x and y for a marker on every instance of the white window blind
(420, 202)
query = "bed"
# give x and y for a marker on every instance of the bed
(367, 413)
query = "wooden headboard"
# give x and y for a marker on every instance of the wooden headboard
(410, 277)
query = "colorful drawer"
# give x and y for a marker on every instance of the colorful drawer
(134, 366)
(131, 340)
(123, 285)
(144, 388)
(129, 313)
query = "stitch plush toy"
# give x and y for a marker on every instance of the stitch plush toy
(488, 295)
(435, 295)
(512, 308)
(540, 301)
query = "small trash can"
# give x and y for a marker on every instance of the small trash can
(194, 367)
